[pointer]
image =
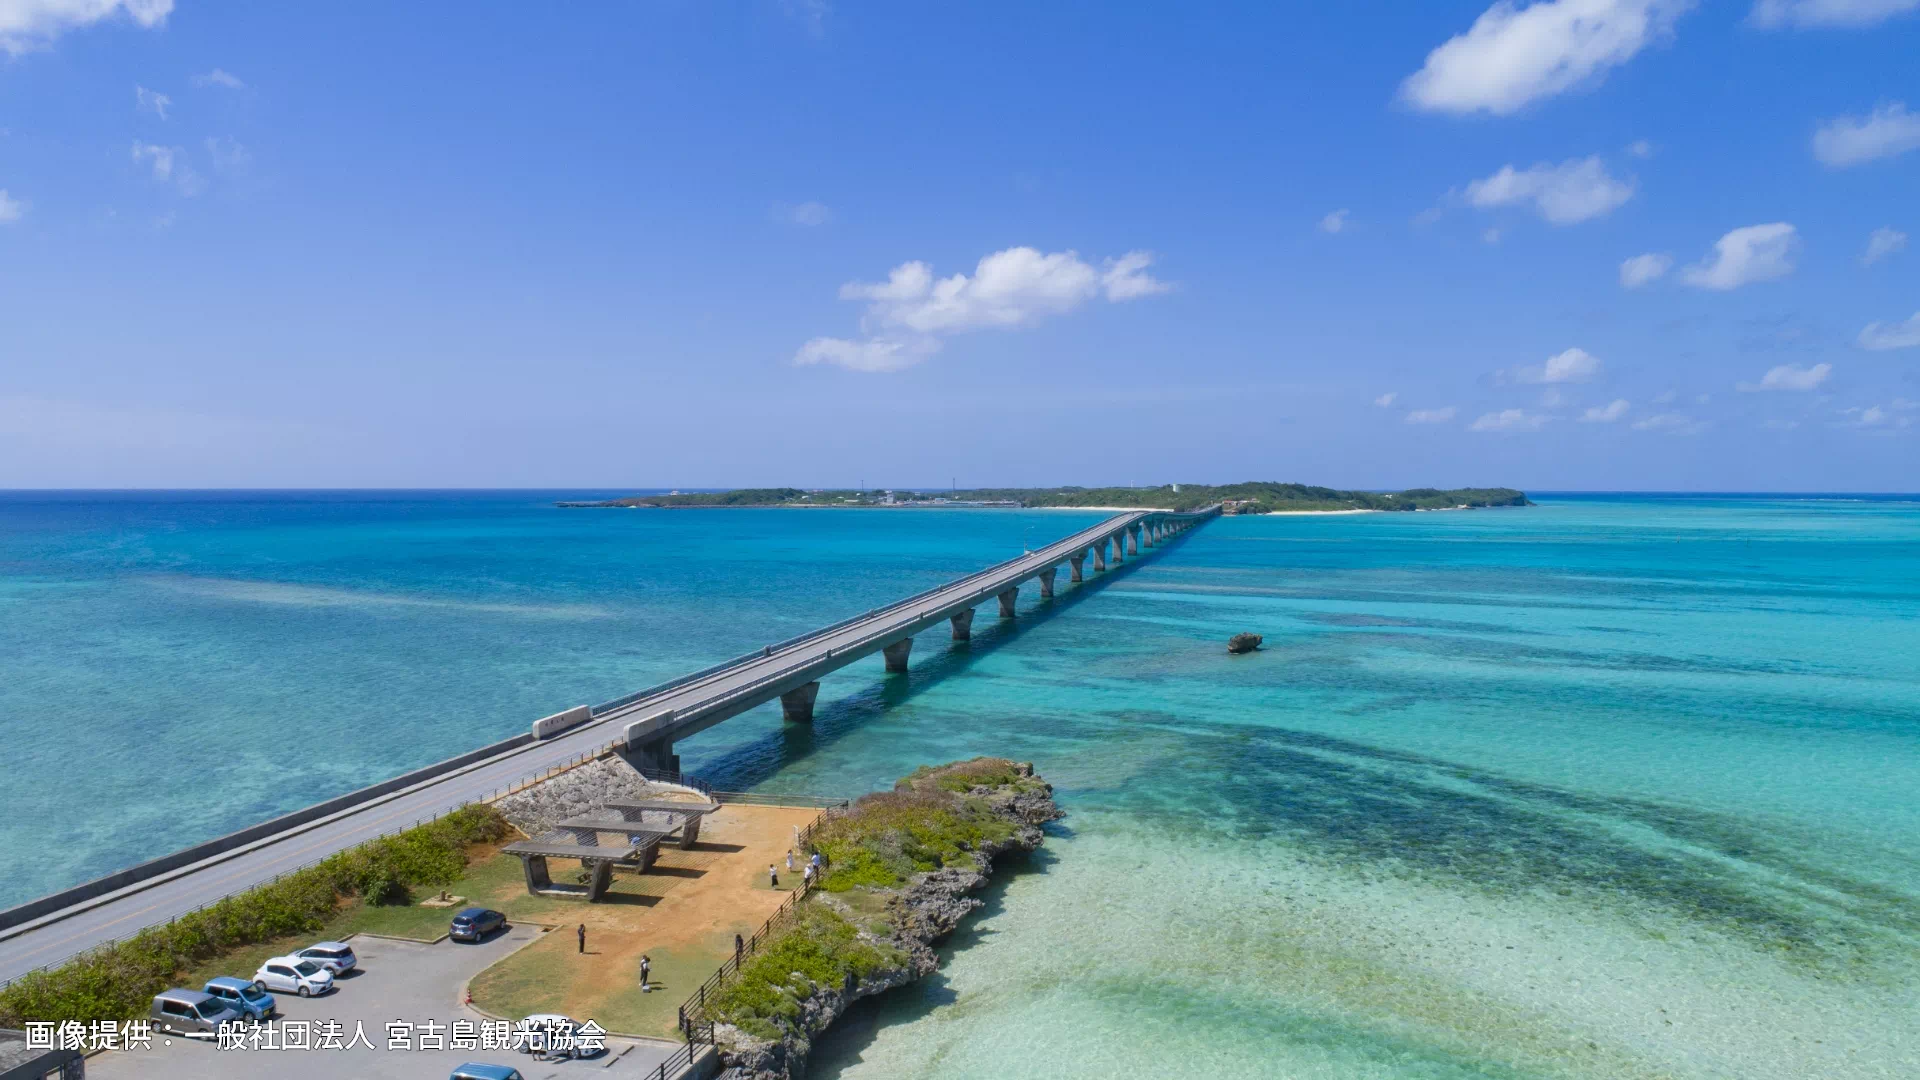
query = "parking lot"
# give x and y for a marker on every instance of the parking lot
(396, 981)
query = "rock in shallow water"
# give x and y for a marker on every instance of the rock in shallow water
(1243, 643)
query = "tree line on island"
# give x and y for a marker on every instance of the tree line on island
(1256, 497)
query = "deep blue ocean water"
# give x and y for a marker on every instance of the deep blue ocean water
(1610, 786)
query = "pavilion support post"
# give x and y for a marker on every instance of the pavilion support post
(1046, 582)
(602, 878)
(535, 867)
(796, 705)
(1077, 559)
(1006, 602)
(962, 621)
(896, 655)
(690, 830)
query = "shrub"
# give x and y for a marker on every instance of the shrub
(116, 982)
(885, 838)
(818, 947)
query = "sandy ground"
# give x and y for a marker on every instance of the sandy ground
(685, 922)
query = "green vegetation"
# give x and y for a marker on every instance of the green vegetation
(117, 982)
(820, 946)
(1250, 498)
(927, 822)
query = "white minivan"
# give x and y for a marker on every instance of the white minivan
(293, 975)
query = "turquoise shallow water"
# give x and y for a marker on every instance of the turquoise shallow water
(1613, 786)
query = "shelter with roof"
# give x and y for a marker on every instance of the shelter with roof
(623, 833)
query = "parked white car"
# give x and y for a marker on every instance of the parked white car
(336, 956)
(293, 975)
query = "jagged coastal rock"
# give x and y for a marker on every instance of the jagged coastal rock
(929, 906)
(1243, 643)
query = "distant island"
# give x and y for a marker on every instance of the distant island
(1247, 498)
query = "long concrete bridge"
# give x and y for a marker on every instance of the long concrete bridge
(643, 727)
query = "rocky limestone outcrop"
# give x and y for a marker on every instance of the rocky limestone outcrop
(1243, 643)
(928, 908)
(580, 791)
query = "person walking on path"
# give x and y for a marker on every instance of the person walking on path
(807, 876)
(646, 968)
(773, 876)
(739, 947)
(789, 860)
(583, 937)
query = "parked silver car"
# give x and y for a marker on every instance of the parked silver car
(335, 956)
(192, 1013)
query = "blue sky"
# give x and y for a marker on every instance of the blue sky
(1613, 244)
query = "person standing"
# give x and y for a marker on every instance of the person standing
(773, 876)
(789, 860)
(583, 937)
(646, 968)
(739, 947)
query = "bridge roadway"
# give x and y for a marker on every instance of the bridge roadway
(644, 728)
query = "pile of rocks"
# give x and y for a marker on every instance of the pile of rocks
(580, 791)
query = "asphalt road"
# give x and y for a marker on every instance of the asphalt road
(695, 705)
(397, 980)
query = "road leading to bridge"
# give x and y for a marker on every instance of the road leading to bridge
(643, 728)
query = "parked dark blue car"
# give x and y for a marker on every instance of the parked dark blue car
(475, 923)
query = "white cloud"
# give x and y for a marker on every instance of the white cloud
(169, 165)
(33, 24)
(1334, 222)
(1672, 423)
(160, 156)
(1572, 365)
(1605, 414)
(1431, 416)
(811, 14)
(1017, 287)
(1640, 148)
(1789, 377)
(152, 101)
(1509, 420)
(1847, 140)
(1882, 416)
(1882, 243)
(219, 78)
(1643, 269)
(10, 208)
(1900, 335)
(809, 214)
(1777, 13)
(875, 355)
(227, 153)
(1386, 401)
(1745, 255)
(1491, 236)
(1573, 191)
(1553, 398)
(1514, 55)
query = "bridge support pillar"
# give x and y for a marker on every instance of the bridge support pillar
(1046, 582)
(1133, 542)
(1077, 559)
(796, 705)
(655, 756)
(1006, 602)
(1100, 555)
(1146, 535)
(1119, 549)
(962, 621)
(896, 654)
